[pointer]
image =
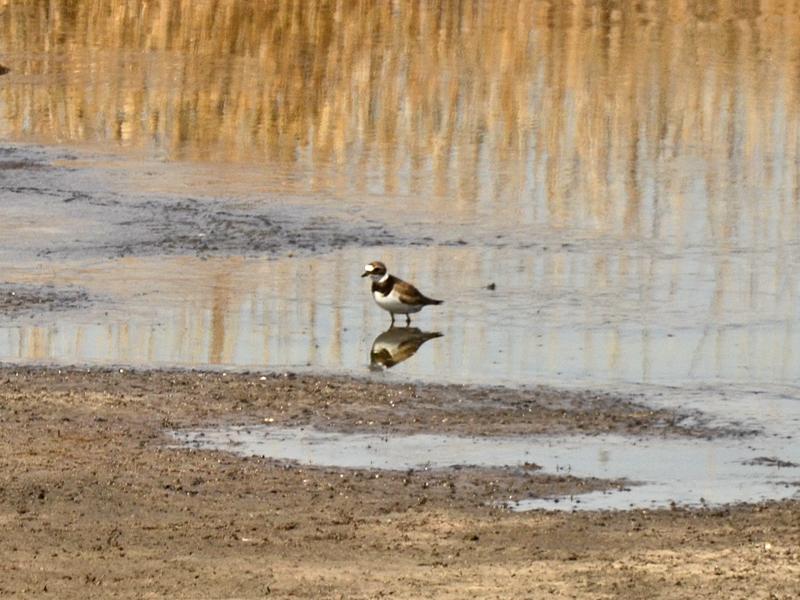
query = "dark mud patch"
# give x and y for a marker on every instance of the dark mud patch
(15, 159)
(771, 461)
(34, 155)
(13, 165)
(66, 188)
(49, 185)
(29, 300)
(481, 485)
(203, 227)
(187, 226)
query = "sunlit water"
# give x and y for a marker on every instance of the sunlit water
(626, 177)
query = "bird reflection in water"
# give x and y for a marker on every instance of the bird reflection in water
(397, 344)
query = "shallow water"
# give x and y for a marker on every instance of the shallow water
(627, 177)
(316, 312)
(662, 472)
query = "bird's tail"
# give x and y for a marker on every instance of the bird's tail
(427, 300)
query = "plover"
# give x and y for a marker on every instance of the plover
(395, 295)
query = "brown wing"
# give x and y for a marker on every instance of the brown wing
(408, 294)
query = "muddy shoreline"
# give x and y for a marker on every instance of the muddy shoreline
(349, 404)
(95, 502)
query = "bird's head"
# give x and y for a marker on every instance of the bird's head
(376, 270)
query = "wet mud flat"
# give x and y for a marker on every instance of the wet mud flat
(96, 502)
(95, 208)
(32, 300)
(104, 206)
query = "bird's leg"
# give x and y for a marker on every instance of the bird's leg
(408, 319)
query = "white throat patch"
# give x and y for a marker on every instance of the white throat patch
(379, 278)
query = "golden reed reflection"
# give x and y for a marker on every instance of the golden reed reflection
(456, 100)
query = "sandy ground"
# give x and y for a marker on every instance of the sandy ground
(94, 502)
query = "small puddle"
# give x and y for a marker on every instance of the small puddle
(665, 471)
